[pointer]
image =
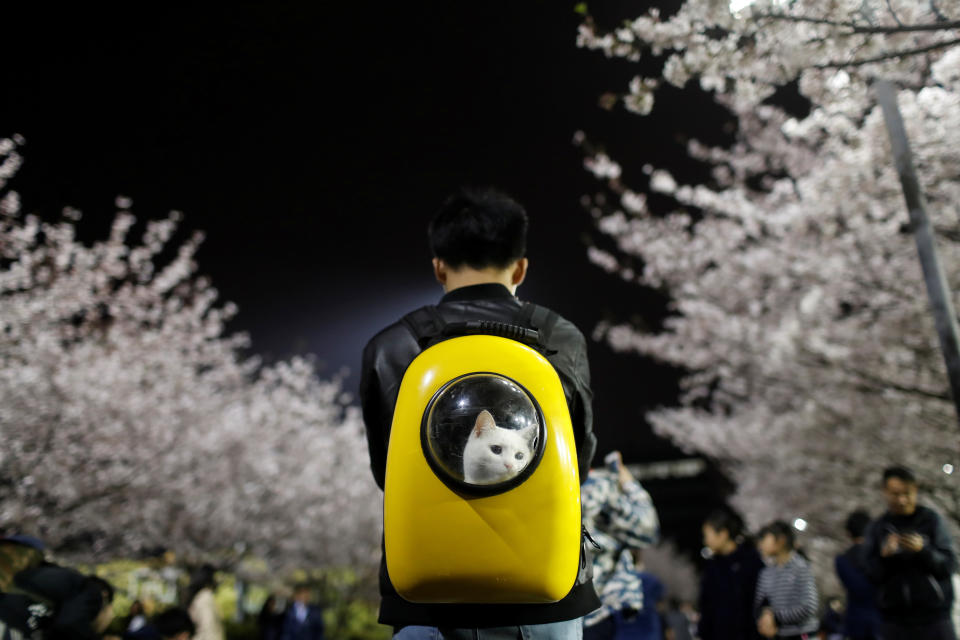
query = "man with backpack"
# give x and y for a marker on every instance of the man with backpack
(478, 239)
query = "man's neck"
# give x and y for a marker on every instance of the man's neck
(471, 277)
(510, 276)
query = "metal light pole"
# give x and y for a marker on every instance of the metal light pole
(938, 289)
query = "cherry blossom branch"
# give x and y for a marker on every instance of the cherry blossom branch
(104, 492)
(888, 56)
(861, 29)
(879, 384)
(802, 19)
(893, 13)
(936, 11)
(950, 233)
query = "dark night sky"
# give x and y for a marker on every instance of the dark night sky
(312, 143)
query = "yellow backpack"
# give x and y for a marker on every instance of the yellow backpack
(482, 493)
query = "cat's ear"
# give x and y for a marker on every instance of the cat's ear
(484, 422)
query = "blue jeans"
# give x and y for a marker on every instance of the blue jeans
(566, 630)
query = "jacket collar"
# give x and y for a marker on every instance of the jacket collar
(485, 291)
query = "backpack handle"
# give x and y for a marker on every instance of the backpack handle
(427, 325)
(492, 328)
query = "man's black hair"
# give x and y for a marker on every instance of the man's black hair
(726, 519)
(779, 529)
(479, 228)
(899, 472)
(857, 523)
(173, 621)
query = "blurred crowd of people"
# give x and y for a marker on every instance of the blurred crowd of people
(897, 573)
(42, 599)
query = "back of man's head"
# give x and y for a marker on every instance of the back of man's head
(857, 523)
(479, 228)
(175, 624)
(901, 473)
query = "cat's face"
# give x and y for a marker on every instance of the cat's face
(494, 454)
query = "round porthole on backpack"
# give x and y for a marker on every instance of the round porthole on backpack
(483, 433)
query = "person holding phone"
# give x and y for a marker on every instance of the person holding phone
(909, 556)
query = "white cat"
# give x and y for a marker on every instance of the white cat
(494, 454)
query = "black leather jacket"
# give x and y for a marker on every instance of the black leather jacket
(385, 360)
(912, 588)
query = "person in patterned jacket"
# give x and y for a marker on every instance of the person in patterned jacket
(619, 515)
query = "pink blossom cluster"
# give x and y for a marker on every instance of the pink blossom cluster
(130, 418)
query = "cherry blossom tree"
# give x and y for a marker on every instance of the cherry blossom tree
(798, 306)
(130, 418)
(674, 569)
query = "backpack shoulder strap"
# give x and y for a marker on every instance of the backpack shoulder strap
(541, 319)
(425, 324)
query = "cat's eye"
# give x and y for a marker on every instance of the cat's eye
(497, 449)
(519, 455)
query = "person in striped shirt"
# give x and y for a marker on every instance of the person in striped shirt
(786, 596)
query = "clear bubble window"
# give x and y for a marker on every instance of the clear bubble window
(483, 432)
